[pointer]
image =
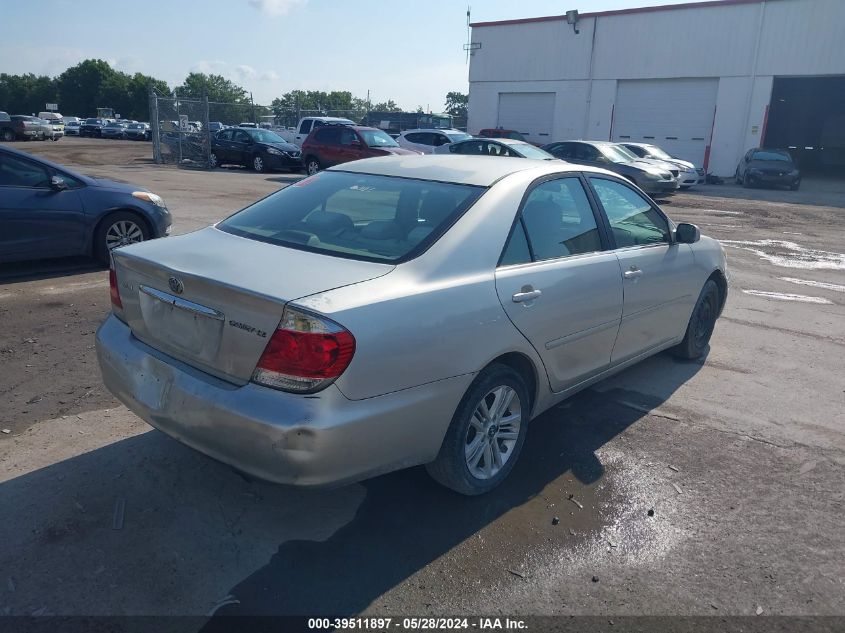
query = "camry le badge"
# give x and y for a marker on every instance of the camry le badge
(176, 285)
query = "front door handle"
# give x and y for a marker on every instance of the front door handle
(526, 295)
(632, 273)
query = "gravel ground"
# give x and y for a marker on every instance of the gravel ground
(708, 488)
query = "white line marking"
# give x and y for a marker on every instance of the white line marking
(722, 226)
(787, 297)
(718, 211)
(814, 284)
(790, 254)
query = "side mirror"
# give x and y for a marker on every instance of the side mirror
(687, 233)
(57, 183)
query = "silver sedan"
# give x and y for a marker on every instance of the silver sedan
(400, 311)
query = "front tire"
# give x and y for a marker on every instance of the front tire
(795, 186)
(312, 165)
(258, 164)
(8, 136)
(486, 435)
(118, 229)
(213, 161)
(701, 323)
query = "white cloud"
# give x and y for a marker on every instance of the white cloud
(276, 7)
(242, 73)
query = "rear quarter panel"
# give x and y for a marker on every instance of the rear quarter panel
(437, 316)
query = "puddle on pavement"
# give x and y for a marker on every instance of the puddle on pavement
(785, 296)
(790, 255)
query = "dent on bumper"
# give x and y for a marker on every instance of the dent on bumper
(319, 439)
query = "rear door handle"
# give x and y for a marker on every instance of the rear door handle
(527, 295)
(632, 273)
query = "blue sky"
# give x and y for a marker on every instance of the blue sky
(409, 50)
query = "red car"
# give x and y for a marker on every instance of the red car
(497, 132)
(334, 144)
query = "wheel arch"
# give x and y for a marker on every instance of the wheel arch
(92, 243)
(525, 367)
(721, 281)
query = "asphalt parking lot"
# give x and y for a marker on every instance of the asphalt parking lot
(706, 488)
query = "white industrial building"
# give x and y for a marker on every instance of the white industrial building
(706, 81)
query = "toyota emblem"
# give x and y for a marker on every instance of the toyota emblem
(176, 285)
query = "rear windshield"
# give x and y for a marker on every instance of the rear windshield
(359, 216)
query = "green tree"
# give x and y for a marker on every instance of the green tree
(386, 106)
(26, 94)
(216, 87)
(456, 104)
(80, 88)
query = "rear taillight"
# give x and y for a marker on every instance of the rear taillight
(113, 291)
(305, 354)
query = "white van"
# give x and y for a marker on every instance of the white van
(52, 117)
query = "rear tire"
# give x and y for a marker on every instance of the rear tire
(213, 161)
(8, 136)
(701, 323)
(479, 451)
(118, 229)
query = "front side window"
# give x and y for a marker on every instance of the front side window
(15, 172)
(378, 138)
(633, 221)
(348, 137)
(586, 152)
(359, 216)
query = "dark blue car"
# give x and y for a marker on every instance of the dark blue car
(47, 210)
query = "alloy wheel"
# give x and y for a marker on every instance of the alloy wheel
(258, 163)
(493, 432)
(313, 167)
(123, 232)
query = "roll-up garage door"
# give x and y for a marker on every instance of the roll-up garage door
(675, 114)
(529, 113)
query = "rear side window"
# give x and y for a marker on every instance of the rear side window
(305, 127)
(633, 221)
(359, 216)
(327, 135)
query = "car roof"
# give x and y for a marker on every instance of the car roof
(327, 118)
(480, 171)
(433, 129)
(636, 144)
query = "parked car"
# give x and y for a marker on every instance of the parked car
(92, 127)
(57, 128)
(138, 132)
(768, 167)
(71, 119)
(72, 128)
(114, 130)
(497, 132)
(216, 126)
(440, 303)
(7, 128)
(427, 141)
(335, 144)
(496, 147)
(651, 178)
(308, 124)
(262, 150)
(47, 210)
(688, 174)
(30, 128)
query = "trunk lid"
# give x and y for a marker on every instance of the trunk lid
(212, 299)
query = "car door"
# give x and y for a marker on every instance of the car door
(303, 132)
(223, 146)
(560, 284)
(350, 147)
(656, 270)
(239, 147)
(37, 220)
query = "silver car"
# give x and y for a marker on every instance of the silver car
(402, 310)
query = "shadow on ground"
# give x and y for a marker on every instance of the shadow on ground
(193, 535)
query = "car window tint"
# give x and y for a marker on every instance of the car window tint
(348, 137)
(633, 220)
(475, 148)
(559, 220)
(516, 251)
(15, 172)
(586, 152)
(377, 218)
(305, 127)
(413, 138)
